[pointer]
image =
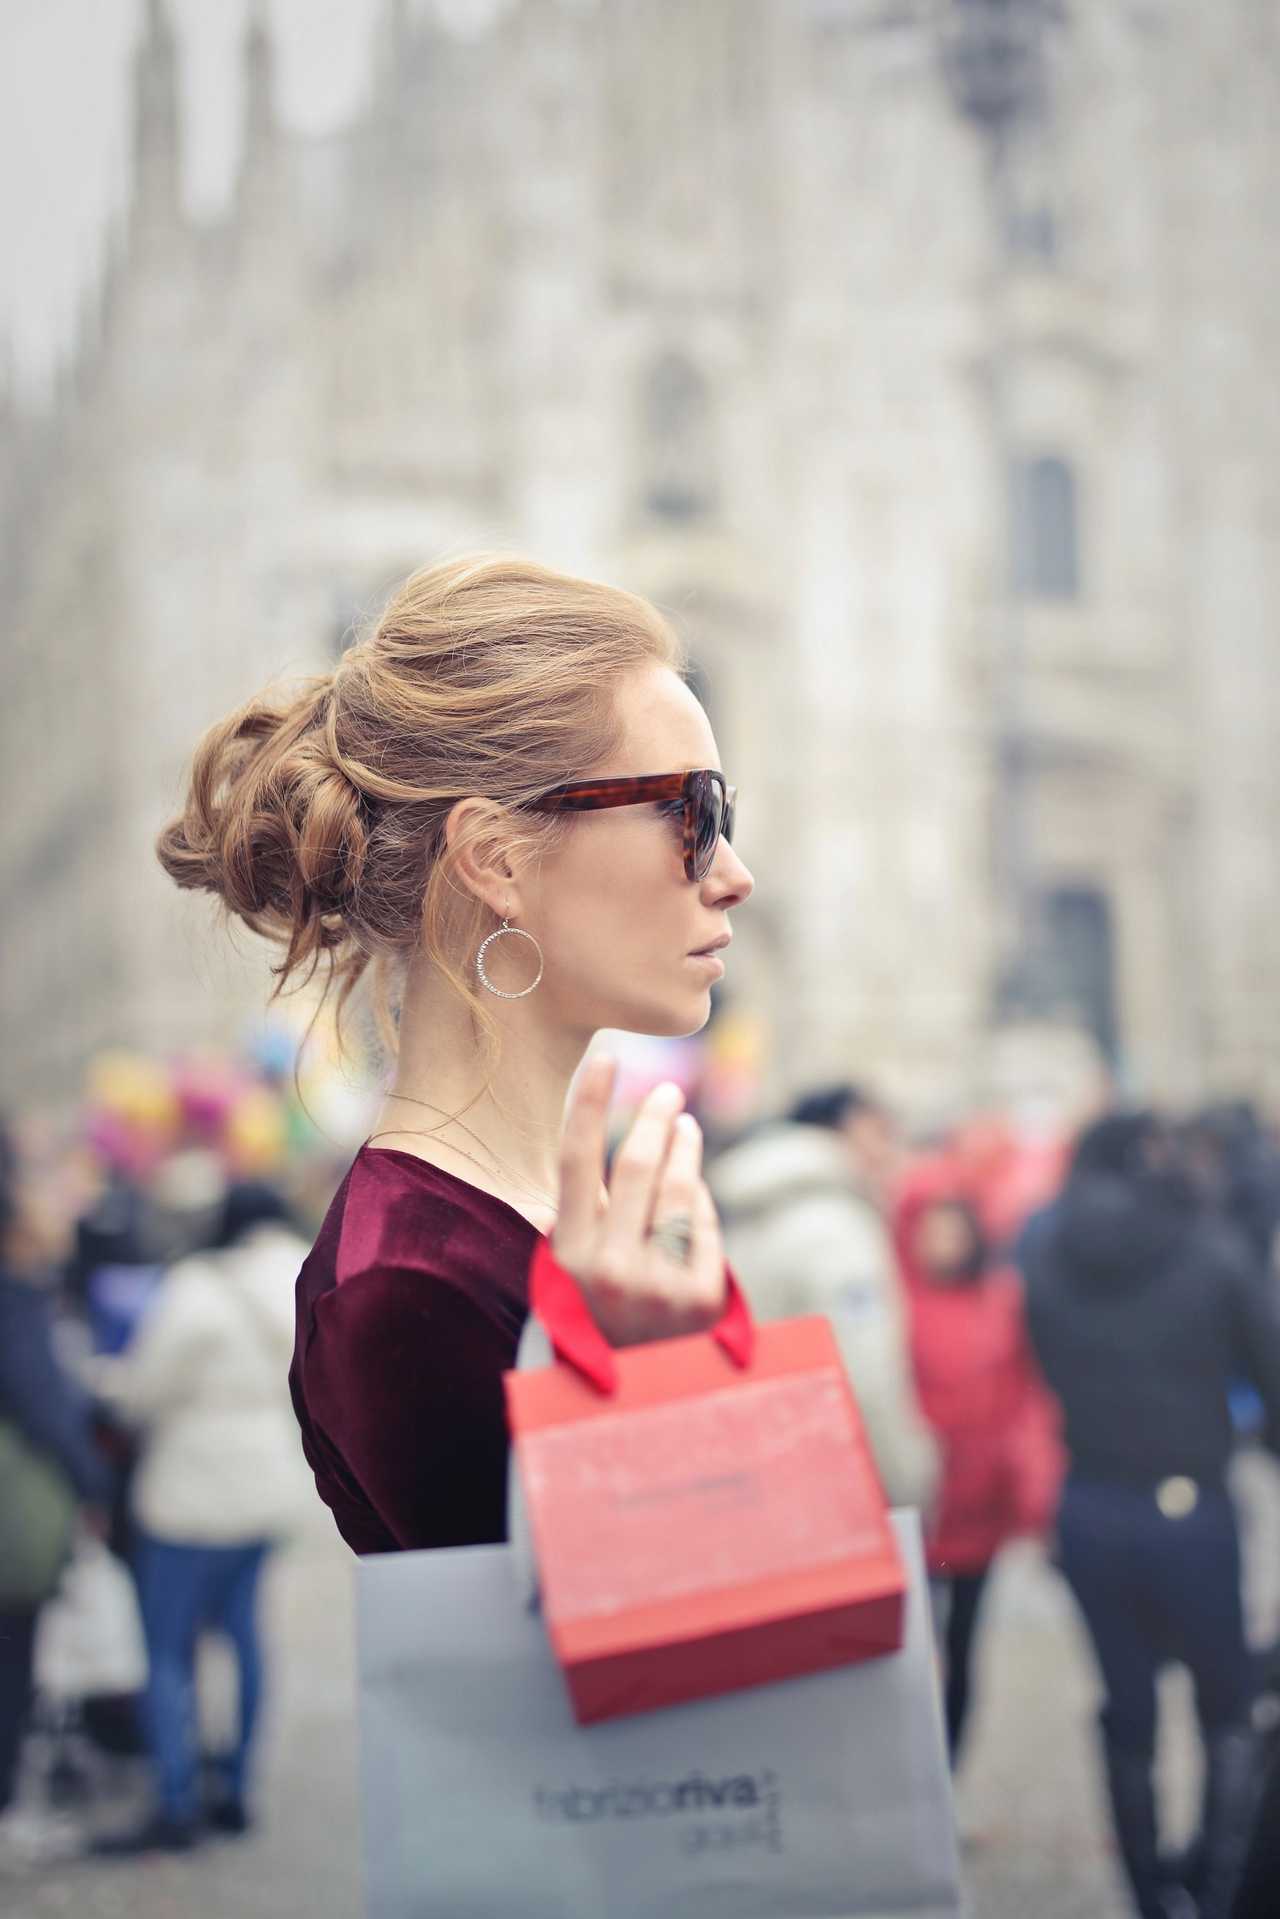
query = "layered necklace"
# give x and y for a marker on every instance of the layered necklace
(494, 1162)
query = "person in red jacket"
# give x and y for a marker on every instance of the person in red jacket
(980, 1389)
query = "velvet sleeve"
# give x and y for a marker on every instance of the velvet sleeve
(405, 1387)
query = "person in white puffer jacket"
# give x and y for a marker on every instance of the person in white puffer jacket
(220, 1480)
(799, 1201)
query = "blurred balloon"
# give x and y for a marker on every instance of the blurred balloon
(272, 1048)
(207, 1086)
(256, 1133)
(643, 1063)
(133, 1115)
(736, 1056)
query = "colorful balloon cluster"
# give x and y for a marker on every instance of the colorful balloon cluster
(140, 1110)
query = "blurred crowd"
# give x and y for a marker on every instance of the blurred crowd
(1067, 1340)
(149, 1457)
(1062, 1339)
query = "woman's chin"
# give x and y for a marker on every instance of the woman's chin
(677, 1018)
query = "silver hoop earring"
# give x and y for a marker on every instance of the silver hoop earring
(519, 933)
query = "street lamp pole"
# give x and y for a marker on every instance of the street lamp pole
(992, 60)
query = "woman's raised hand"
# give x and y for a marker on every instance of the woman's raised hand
(639, 1286)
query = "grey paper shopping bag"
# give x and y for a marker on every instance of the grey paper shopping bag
(818, 1798)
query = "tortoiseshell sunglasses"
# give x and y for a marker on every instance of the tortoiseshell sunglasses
(708, 807)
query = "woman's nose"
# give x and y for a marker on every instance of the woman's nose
(730, 880)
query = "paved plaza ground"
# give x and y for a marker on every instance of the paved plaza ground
(1029, 1805)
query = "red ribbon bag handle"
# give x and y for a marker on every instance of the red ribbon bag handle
(555, 1299)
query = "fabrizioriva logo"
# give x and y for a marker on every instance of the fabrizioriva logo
(712, 1814)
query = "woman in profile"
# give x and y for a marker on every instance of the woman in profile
(506, 802)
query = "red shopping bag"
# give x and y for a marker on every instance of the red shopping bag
(706, 1512)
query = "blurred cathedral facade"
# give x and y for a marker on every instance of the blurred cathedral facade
(956, 456)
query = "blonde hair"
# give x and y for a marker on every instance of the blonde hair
(318, 815)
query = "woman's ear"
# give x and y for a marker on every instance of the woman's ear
(478, 837)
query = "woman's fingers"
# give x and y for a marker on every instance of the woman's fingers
(582, 1156)
(673, 1197)
(637, 1169)
(639, 1287)
(684, 1211)
(707, 1258)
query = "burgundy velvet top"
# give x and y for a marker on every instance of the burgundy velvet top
(410, 1307)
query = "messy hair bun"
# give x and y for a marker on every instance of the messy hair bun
(317, 816)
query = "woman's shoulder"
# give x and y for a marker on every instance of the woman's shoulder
(404, 1235)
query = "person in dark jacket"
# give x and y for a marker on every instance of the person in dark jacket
(1260, 1880)
(1143, 1312)
(1237, 1167)
(50, 1414)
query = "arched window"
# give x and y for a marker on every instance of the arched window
(1045, 539)
(676, 438)
(1081, 960)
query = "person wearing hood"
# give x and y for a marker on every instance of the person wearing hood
(1144, 1312)
(996, 1426)
(220, 1480)
(801, 1201)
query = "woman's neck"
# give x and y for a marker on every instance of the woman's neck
(500, 1127)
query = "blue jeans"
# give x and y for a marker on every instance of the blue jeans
(1155, 1588)
(184, 1590)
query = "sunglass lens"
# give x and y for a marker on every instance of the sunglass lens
(710, 823)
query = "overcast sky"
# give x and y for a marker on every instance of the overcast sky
(64, 131)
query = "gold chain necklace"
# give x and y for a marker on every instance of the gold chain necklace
(419, 1132)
